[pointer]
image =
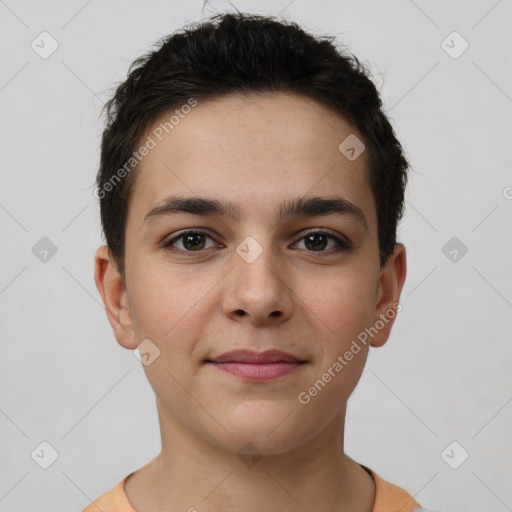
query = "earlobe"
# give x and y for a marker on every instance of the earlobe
(113, 292)
(392, 278)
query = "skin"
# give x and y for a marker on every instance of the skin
(256, 151)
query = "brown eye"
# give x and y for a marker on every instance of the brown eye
(317, 241)
(191, 241)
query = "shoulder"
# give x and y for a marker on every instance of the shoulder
(390, 497)
(114, 500)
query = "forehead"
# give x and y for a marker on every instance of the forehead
(261, 148)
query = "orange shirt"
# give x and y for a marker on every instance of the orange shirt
(388, 498)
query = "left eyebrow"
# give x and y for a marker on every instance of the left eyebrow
(311, 206)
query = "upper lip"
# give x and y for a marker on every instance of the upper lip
(249, 356)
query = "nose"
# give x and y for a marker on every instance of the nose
(257, 289)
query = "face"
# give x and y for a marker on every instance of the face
(265, 274)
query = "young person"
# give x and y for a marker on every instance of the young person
(250, 188)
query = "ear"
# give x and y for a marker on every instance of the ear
(392, 278)
(112, 289)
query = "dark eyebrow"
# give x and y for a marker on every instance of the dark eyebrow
(311, 206)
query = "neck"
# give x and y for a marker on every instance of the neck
(191, 474)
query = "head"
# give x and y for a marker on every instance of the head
(281, 164)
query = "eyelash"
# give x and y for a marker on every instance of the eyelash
(341, 244)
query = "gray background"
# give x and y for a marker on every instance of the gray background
(444, 375)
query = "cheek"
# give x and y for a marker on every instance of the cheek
(341, 311)
(341, 353)
(344, 305)
(166, 303)
(165, 311)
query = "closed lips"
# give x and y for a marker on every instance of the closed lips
(250, 357)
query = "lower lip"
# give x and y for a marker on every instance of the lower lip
(259, 372)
